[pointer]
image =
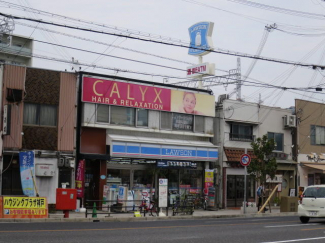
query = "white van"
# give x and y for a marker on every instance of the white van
(312, 203)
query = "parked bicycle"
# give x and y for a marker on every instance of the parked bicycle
(183, 207)
(151, 209)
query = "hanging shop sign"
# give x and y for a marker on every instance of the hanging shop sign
(157, 151)
(24, 207)
(128, 94)
(176, 164)
(26, 162)
(200, 70)
(201, 41)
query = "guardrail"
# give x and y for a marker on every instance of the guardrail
(111, 207)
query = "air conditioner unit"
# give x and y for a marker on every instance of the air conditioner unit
(289, 121)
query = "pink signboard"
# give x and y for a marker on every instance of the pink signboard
(80, 179)
(125, 94)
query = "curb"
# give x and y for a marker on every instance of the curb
(133, 219)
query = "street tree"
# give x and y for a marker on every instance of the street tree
(263, 164)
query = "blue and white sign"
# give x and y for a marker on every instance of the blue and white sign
(26, 162)
(160, 151)
(201, 41)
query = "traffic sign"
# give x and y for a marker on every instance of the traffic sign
(245, 159)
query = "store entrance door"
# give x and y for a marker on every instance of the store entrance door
(235, 190)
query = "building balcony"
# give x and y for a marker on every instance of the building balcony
(241, 137)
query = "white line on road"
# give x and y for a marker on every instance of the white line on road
(283, 241)
(291, 225)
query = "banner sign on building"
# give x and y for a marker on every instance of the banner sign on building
(118, 93)
(80, 179)
(25, 207)
(200, 70)
(176, 164)
(200, 35)
(157, 151)
(26, 162)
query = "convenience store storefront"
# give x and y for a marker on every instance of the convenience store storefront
(137, 162)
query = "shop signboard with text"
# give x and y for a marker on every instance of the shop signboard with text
(80, 179)
(24, 207)
(119, 93)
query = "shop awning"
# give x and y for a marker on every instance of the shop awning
(160, 148)
(234, 154)
(320, 167)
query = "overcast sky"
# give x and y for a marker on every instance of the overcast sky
(237, 28)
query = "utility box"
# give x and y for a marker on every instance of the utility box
(289, 204)
(66, 199)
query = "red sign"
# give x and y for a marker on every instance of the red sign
(80, 179)
(125, 94)
(245, 159)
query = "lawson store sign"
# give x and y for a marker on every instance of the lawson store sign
(124, 149)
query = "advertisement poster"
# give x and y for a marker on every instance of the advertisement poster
(192, 103)
(208, 180)
(25, 207)
(118, 93)
(105, 198)
(80, 179)
(163, 193)
(26, 162)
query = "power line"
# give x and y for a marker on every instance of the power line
(171, 44)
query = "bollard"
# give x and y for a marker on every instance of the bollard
(94, 211)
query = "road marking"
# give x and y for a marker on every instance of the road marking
(291, 225)
(135, 228)
(283, 241)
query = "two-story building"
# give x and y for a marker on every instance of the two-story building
(39, 116)
(133, 132)
(238, 124)
(310, 140)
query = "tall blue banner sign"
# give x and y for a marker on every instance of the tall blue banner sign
(200, 35)
(26, 162)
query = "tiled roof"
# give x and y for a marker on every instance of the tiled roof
(233, 155)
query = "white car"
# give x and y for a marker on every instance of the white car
(312, 203)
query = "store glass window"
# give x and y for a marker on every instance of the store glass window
(118, 177)
(103, 113)
(182, 122)
(278, 139)
(166, 120)
(190, 182)
(141, 179)
(122, 116)
(142, 117)
(199, 124)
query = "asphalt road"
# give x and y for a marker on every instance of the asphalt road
(229, 230)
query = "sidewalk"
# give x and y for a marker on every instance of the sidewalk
(222, 213)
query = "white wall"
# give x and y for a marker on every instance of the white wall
(47, 185)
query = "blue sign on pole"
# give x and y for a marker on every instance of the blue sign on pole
(200, 35)
(26, 162)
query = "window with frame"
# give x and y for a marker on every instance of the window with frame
(40, 114)
(317, 135)
(142, 117)
(199, 124)
(102, 113)
(122, 116)
(241, 132)
(166, 120)
(278, 139)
